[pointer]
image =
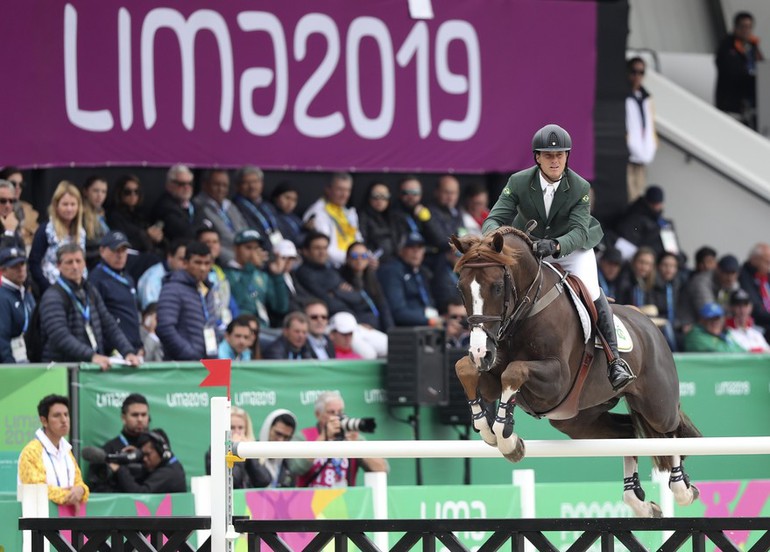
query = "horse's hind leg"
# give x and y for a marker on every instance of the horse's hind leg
(470, 377)
(679, 483)
(633, 494)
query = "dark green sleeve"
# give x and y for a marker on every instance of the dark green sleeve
(579, 221)
(504, 210)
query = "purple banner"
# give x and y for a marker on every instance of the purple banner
(300, 84)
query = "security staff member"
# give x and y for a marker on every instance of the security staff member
(557, 199)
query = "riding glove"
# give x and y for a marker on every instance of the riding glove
(545, 248)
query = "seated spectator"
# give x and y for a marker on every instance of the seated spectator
(153, 349)
(254, 289)
(709, 335)
(443, 285)
(251, 473)
(613, 279)
(378, 223)
(77, 327)
(219, 286)
(714, 286)
(740, 324)
(254, 345)
(458, 335)
(642, 279)
(65, 225)
(94, 217)
(258, 214)
(445, 214)
(125, 215)
(237, 342)
(135, 415)
(666, 294)
(175, 207)
(48, 457)
(117, 288)
(331, 472)
(412, 216)
(341, 328)
(318, 340)
(475, 208)
(16, 305)
(753, 279)
(211, 204)
(331, 217)
(705, 260)
(163, 471)
(362, 277)
(284, 202)
(25, 213)
(644, 226)
(279, 425)
(11, 226)
(292, 344)
(404, 282)
(151, 281)
(186, 321)
(298, 295)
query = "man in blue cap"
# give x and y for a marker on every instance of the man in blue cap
(117, 287)
(709, 335)
(16, 305)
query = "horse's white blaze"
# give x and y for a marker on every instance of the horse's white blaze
(506, 446)
(478, 346)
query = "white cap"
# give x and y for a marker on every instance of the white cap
(286, 248)
(343, 322)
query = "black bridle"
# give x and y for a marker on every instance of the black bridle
(508, 321)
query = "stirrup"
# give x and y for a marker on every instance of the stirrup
(619, 374)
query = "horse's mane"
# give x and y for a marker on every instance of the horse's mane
(480, 250)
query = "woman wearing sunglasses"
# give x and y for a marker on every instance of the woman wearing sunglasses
(125, 215)
(377, 221)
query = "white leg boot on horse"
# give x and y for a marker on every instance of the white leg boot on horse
(618, 370)
(679, 483)
(633, 494)
(509, 444)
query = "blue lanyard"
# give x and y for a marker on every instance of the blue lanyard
(122, 279)
(412, 224)
(191, 211)
(26, 315)
(85, 312)
(205, 307)
(638, 296)
(254, 210)
(226, 218)
(293, 223)
(53, 466)
(423, 292)
(123, 440)
(371, 304)
(670, 302)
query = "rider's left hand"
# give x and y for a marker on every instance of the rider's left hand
(545, 248)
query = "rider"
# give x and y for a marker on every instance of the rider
(557, 199)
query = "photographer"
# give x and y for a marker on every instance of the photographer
(135, 414)
(163, 472)
(332, 472)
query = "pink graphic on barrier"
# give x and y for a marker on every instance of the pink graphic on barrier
(719, 495)
(284, 505)
(71, 510)
(164, 509)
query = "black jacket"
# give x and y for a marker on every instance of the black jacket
(120, 300)
(101, 479)
(380, 231)
(279, 350)
(169, 477)
(12, 319)
(178, 222)
(181, 319)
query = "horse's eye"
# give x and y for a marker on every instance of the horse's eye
(497, 288)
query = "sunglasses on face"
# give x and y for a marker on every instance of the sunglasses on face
(411, 192)
(130, 191)
(318, 317)
(6, 201)
(181, 183)
(376, 197)
(356, 256)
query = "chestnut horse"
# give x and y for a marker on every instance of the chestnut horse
(527, 346)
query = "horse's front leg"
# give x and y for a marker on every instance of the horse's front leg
(512, 379)
(469, 377)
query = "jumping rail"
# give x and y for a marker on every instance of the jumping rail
(703, 446)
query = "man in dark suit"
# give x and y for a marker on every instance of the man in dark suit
(292, 344)
(557, 199)
(175, 207)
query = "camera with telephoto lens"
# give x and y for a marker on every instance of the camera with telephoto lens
(364, 425)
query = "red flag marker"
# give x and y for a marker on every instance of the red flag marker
(219, 373)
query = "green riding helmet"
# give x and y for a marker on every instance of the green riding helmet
(551, 138)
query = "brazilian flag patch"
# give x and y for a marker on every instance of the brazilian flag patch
(506, 191)
(585, 199)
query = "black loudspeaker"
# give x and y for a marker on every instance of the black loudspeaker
(456, 411)
(416, 371)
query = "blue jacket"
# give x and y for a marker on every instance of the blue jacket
(181, 317)
(407, 292)
(120, 299)
(12, 317)
(63, 327)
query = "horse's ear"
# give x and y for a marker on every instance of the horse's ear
(498, 241)
(458, 244)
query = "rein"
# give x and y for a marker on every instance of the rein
(520, 308)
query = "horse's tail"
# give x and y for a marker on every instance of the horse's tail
(642, 429)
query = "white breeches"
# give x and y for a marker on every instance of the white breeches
(581, 263)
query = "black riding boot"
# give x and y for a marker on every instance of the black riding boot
(618, 370)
